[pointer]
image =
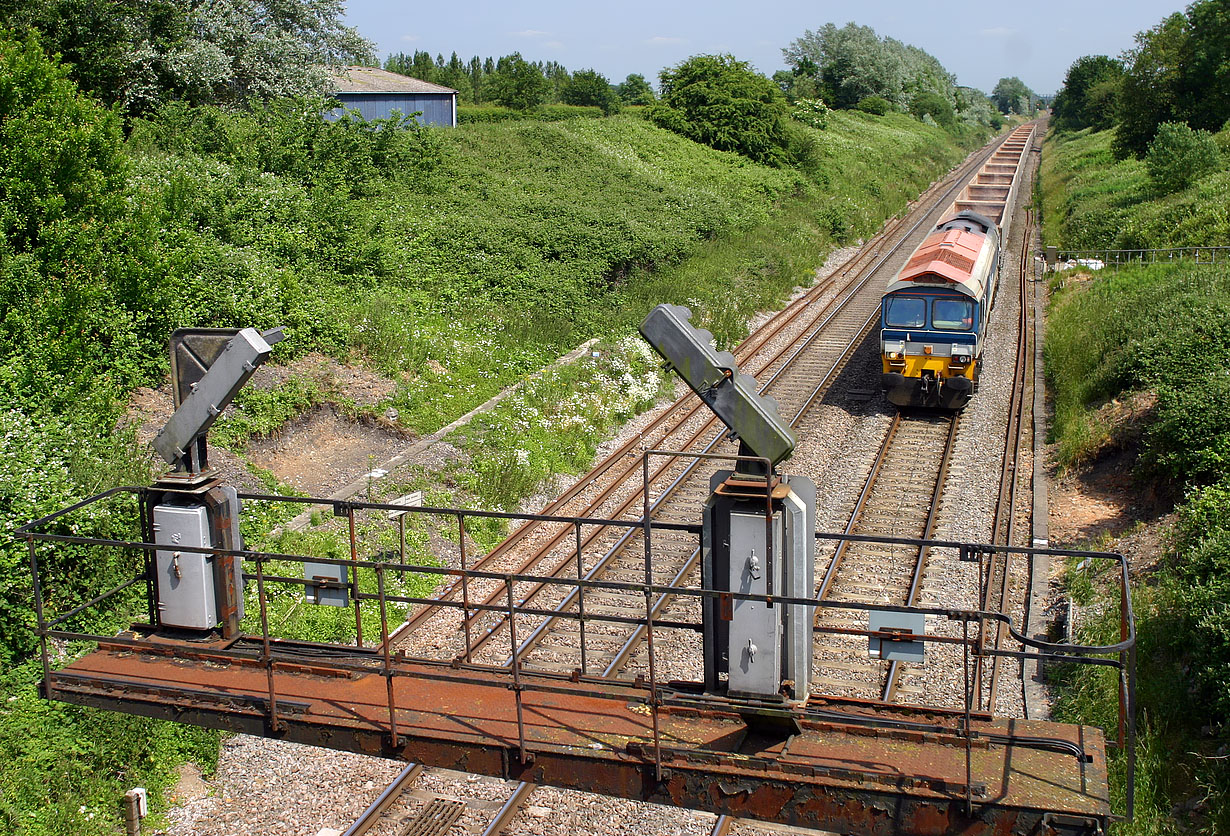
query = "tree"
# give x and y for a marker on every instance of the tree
(1149, 93)
(1204, 76)
(851, 63)
(419, 65)
(557, 77)
(517, 83)
(928, 103)
(722, 102)
(1089, 93)
(974, 108)
(590, 88)
(1178, 156)
(635, 90)
(139, 53)
(1012, 96)
(102, 41)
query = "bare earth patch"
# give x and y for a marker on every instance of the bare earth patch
(317, 453)
(1103, 503)
(325, 450)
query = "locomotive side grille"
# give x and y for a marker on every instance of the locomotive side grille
(943, 254)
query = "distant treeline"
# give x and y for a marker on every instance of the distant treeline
(1178, 73)
(845, 68)
(516, 82)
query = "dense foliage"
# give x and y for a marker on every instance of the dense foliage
(1153, 337)
(1093, 201)
(853, 68)
(76, 261)
(518, 84)
(720, 101)
(589, 88)
(1011, 95)
(1179, 156)
(483, 81)
(851, 63)
(1090, 93)
(1178, 71)
(139, 53)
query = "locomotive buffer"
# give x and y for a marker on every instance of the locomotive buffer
(758, 527)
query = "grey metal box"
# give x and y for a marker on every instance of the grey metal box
(314, 573)
(905, 624)
(185, 580)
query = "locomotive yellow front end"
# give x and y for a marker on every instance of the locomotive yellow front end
(935, 313)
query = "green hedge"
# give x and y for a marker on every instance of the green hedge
(471, 114)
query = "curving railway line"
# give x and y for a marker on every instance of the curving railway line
(797, 355)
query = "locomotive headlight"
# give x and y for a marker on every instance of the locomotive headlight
(962, 358)
(894, 355)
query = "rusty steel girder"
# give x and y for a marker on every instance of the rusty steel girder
(844, 766)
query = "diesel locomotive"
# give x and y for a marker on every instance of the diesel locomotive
(935, 311)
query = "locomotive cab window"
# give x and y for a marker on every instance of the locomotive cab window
(952, 315)
(905, 312)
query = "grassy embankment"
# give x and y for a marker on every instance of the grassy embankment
(453, 262)
(1156, 337)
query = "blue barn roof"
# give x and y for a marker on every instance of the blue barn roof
(376, 93)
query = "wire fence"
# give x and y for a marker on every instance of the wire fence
(1061, 259)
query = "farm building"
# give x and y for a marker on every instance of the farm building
(376, 93)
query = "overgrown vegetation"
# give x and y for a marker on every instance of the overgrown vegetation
(852, 67)
(1155, 337)
(1092, 201)
(722, 102)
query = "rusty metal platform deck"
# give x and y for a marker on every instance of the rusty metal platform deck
(850, 767)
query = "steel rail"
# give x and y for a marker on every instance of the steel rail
(369, 817)
(510, 809)
(825, 381)
(1003, 524)
(762, 335)
(688, 404)
(794, 349)
(749, 347)
(911, 598)
(851, 293)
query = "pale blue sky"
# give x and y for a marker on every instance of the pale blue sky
(979, 42)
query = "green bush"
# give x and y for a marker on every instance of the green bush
(875, 105)
(1178, 156)
(472, 114)
(811, 112)
(720, 101)
(1199, 578)
(926, 103)
(66, 767)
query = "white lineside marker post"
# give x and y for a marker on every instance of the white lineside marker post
(136, 807)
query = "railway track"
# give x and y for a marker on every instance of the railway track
(405, 809)
(900, 498)
(996, 581)
(797, 354)
(685, 422)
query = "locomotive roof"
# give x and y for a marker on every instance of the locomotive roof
(956, 255)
